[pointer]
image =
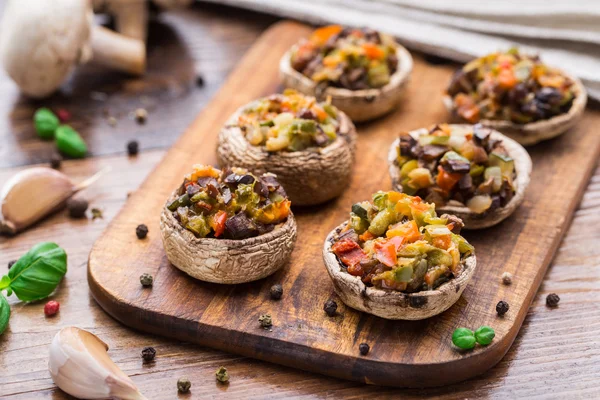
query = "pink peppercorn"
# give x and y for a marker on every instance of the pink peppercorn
(63, 115)
(51, 308)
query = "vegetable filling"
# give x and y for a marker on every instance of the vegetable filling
(398, 242)
(231, 204)
(289, 122)
(347, 58)
(510, 86)
(451, 166)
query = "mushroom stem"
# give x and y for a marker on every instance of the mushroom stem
(117, 51)
(131, 19)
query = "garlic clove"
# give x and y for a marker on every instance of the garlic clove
(80, 366)
(32, 194)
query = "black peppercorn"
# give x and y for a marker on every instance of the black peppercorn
(148, 354)
(276, 291)
(184, 385)
(141, 231)
(364, 349)
(11, 263)
(133, 147)
(146, 280)
(55, 161)
(552, 300)
(330, 307)
(77, 207)
(199, 80)
(502, 307)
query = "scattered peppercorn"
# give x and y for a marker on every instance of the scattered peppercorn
(199, 80)
(63, 115)
(184, 385)
(141, 115)
(112, 121)
(222, 375)
(330, 307)
(146, 280)
(484, 335)
(502, 307)
(133, 147)
(55, 160)
(552, 300)
(77, 207)
(51, 308)
(11, 263)
(148, 354)
(507, 278)
(97, 213)
(364, 349)
(141, 231)
(276, 291)
(463, 338)
(265, 321)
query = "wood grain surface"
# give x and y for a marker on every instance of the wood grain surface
(555, 355)
(403, 353)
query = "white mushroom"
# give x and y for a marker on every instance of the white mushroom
(131, 17)
(42, 41)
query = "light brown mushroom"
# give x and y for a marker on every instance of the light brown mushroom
(471, 219)
(535, 132)
(42, 41)
(359, 105)
(311, 176)
(391, 304)
(226, 261)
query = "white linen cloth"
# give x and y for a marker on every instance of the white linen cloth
(566, 34)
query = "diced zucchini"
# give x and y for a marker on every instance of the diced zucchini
(407, 167)
(181, 201)
(476, 170)
(506, 163)
(424, 140)
(496, 174)
(360, 211)
(420, 178)
(381, 221)
(403, 274)
(437, 230)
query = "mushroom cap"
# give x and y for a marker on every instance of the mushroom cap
(167, 4)
(391, 304)
(359, 105)
(534, 132)
(309, 177)
(471, 219)
(41, 41)
(226, 261)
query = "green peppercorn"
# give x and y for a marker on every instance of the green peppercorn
(146, 280)
(222, 375)
(184, 385)
(69, 142)
(46, 123)
(463, 338)
(484, 335)
(265, 321)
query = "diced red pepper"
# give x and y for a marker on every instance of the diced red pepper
(218, 222)
(445, 180)
(349, 252)
(385, 252)
(373, 52)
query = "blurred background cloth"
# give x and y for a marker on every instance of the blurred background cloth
(565, 33)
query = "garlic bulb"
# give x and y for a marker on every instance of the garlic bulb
(32, 194)
(81, 367)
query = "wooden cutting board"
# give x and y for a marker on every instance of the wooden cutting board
(413, 354)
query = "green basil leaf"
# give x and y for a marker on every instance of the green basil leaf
(4, 313)
(37, 273)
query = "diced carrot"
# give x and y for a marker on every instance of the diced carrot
(217, 222)
(445, 180)
(408, 230)
(321, 114)
(366, 236)
(201, 171)
(321, 35)
(373, 52)
(466, 107)
(507, 79)
(385, 252)
(442, 242)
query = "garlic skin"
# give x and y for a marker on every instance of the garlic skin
(80, 366)
(32, 194)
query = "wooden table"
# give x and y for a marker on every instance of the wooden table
(556, 354)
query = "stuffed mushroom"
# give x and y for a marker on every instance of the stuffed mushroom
(228, 226)
(309, 145)
(364, 71)
(395, 258)
(469, 171)
(516, 94)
